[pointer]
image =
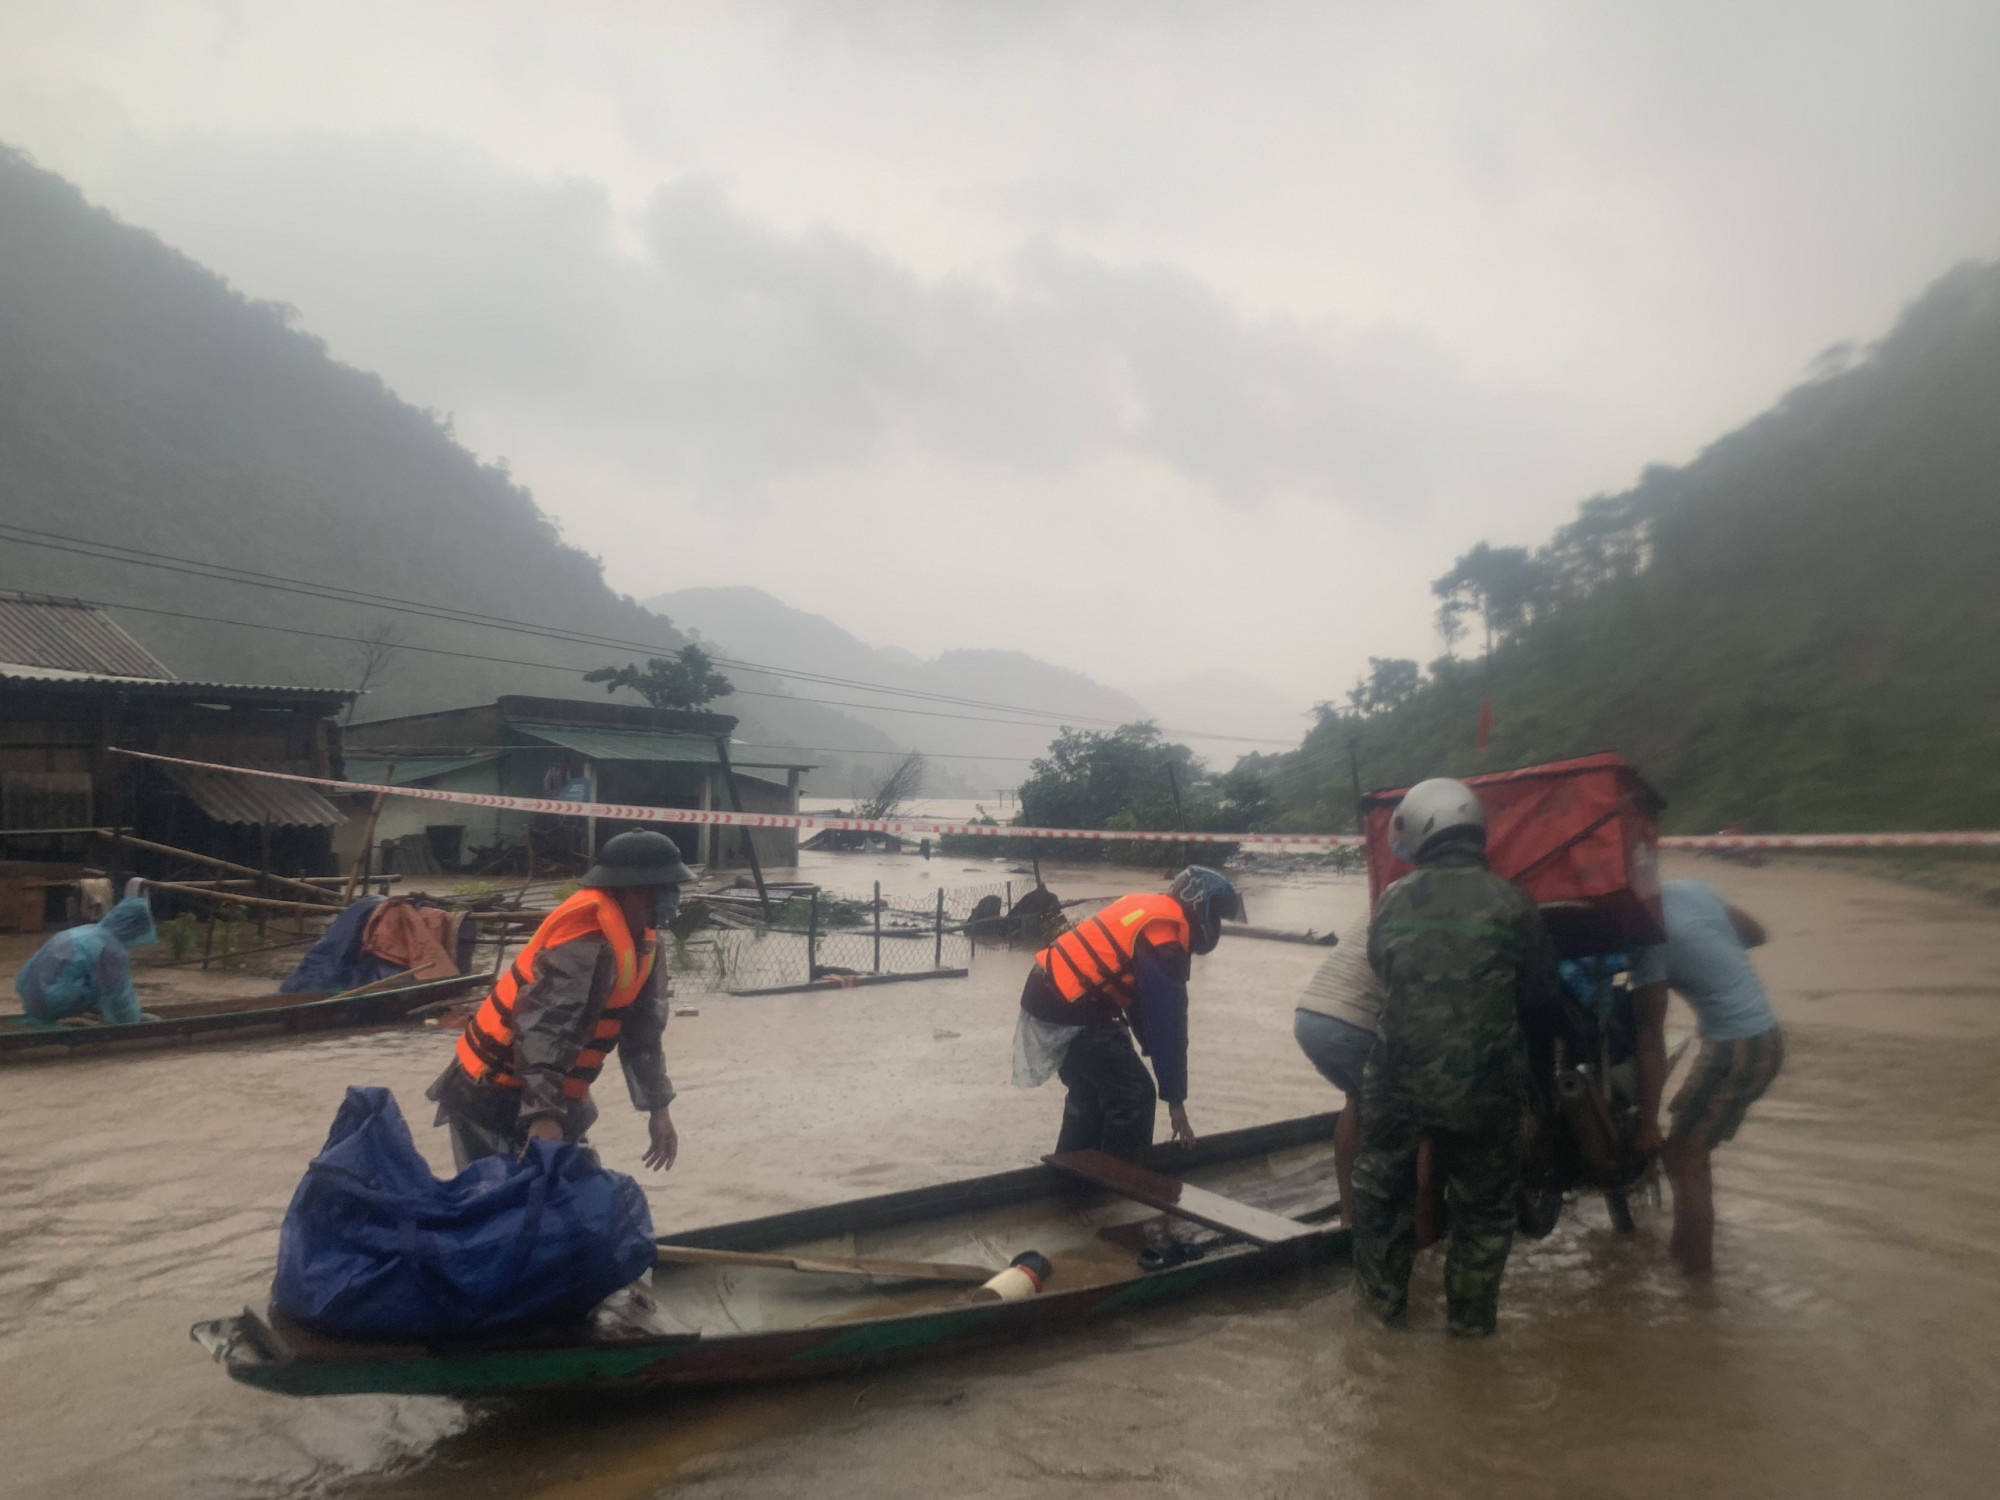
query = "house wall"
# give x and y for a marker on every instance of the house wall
(524, 767)
(54, 757)
(402, 816)
(478, 725)
(653, 784)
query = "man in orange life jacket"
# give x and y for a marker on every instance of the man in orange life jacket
(1122, 971)
(585, 985)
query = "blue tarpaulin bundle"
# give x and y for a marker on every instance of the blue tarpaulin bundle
(376, 1247)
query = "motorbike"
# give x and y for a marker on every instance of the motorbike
(1580, 837)
(1582, 1114)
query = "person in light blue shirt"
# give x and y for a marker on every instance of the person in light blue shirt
(88, 968)
(1706, 960)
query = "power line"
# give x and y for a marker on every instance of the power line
(340, 594)
(512, 661)
(327, 635)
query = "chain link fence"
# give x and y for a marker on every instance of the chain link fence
(827, 934)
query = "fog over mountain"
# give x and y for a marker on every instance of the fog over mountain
(1247, 712)
(156, 426)
(981, 747)
(1095, 308)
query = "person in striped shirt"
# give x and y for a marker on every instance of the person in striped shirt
(1706, 960)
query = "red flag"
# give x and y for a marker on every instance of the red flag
(1485, 723)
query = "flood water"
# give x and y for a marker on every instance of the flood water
(1848, 1346)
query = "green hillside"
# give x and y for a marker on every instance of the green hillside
(145, 403)
(1800, 630)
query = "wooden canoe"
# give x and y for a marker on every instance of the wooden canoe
(743, 1318)
(212, 1020)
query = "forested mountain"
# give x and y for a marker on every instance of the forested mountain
(1799, 630)
(144, 403)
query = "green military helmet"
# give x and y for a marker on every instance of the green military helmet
(638, 857)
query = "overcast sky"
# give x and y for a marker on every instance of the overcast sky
(1138, 337)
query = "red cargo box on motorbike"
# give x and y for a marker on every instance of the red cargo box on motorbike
(1580, 836)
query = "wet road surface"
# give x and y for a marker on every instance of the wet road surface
(1850, 1344)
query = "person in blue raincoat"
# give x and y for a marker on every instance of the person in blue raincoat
(88, 968)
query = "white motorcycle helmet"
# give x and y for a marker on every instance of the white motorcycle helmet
(1430, 809)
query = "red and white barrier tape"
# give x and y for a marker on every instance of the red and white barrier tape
(932, 827)
(1980, 839)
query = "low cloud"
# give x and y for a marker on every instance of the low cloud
(716, 353)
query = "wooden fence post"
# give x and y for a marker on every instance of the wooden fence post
(368, 837)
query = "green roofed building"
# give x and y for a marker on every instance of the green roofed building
(564, 750)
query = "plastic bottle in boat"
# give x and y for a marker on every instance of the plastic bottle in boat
(1025, 1275)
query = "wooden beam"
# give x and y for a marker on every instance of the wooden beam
(367, 836)
(1183, 1199)
(749, 836)
(323, 882)
(237, 898)
(856, 981)
(1279, 935)
(284, 881)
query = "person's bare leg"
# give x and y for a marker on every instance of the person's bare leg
(1693, 1244)
(1346, 1145)
(1430, 1197)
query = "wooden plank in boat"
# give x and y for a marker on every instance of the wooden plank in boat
(898, 1270)
(1171, 1195)
(1020, 1185)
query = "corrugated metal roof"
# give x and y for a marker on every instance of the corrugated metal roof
(152, 687)
(69, 635)
(254, 799)
(410, 769)
(15, 672)
(626, 744)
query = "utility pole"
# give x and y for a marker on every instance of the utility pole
(749, 838)
(1354, 770)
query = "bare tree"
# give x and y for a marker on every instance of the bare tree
(374, 658)
(904, 781)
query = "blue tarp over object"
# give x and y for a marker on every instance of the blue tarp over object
(336, 961)
(375, 1247)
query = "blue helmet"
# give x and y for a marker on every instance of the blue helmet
(1208, 899)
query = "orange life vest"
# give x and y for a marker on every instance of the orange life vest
(486, 1046)
(1094, 958)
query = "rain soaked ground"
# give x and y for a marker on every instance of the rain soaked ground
(1849, 1345)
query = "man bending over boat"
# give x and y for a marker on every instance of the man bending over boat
(1120, 973)
(87, 970)
(1704, 958)
(1335, 1023)
(586, 984)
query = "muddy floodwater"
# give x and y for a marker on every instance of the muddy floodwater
(1848, 1346)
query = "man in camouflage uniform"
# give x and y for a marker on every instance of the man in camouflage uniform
(1461, 953)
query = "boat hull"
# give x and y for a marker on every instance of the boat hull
(22, 1040)
(265, 1354)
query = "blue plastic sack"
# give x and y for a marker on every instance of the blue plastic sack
(337, 961)
(375, 1247)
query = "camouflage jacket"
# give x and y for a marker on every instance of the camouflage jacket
(1463, 954)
